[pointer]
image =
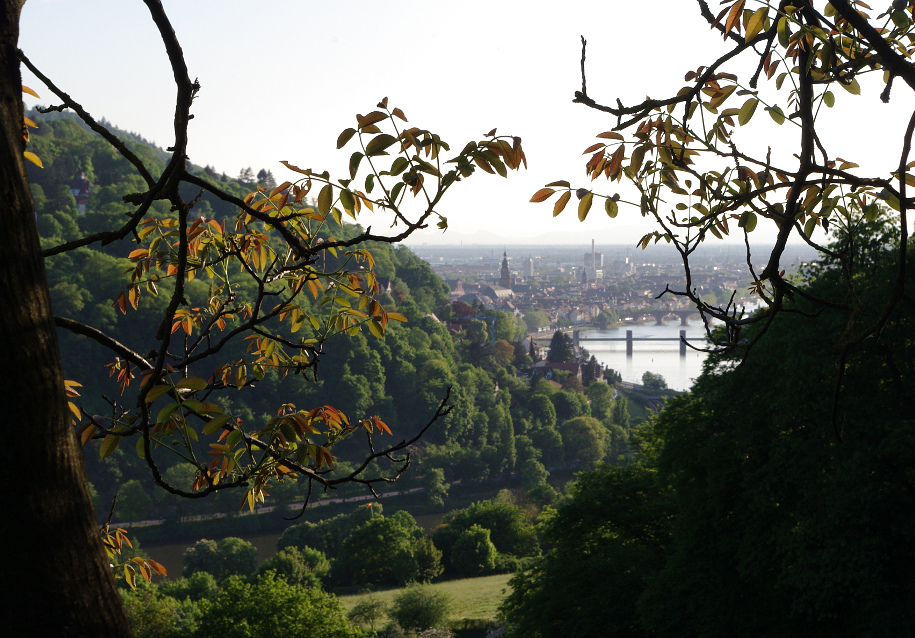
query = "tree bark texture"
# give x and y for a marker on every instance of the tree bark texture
(55, 578)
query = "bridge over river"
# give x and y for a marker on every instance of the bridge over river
(578, 337)
(659, 314)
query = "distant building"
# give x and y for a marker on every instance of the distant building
(529, 267)
(79, 188)
(594, 260)
(505, 275)
(497, 293)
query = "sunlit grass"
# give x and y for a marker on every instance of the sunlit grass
(471, 598)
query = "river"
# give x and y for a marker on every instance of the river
(660, 357)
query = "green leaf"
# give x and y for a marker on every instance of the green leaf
(233, 439)
(378, 144)
(348, 200)
(756, 23)
(166, 412)
(345, 137)
(748, 221)
(809, 226)
(110, 442)
(871, 211)
(141, 448)
(215, 423)
(829, 99)
(325, 199)
(375, 328)
(399, 165)
(852, 87)
(157, 392)
(584, 206)
(776, 114)
(612, 208)
(747, 110)
(354, 160)
(192, 383)
(784, 34)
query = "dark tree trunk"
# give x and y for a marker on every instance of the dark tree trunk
(55, 579)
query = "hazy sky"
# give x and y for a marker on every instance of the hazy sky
(281, 78)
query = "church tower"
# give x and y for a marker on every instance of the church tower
(505, 277)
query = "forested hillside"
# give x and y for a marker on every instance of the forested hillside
(501, 425)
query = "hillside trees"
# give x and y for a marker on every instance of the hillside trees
(561, 348)
(229, 302)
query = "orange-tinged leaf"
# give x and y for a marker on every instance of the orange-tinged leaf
(280, 189)
(295, 168)
(26, 89)
(560, 204)
(542, 195)
(734, 15)
(396, 316)
(372, 118)
(610, 135)
(29, 155)
(130, 576)
(721, 95)
(86, 433)
(399, 114)
(29, 122)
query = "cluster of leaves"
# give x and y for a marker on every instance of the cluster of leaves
(255, 607)
(114, 546)
(689, 172)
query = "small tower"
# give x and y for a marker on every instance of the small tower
(505, 276)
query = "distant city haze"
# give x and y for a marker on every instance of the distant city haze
(602, 290)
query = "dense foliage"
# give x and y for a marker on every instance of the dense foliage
(359, 375)
(781, 508)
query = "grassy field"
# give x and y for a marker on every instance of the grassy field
(472, 598)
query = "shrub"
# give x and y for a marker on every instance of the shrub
(473, 553)
(421, 607)
(221, 559)
(304, 567)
